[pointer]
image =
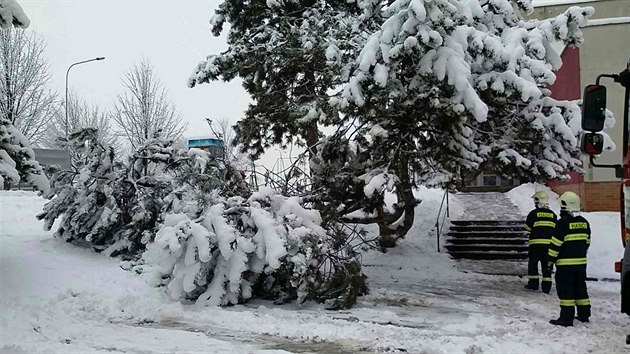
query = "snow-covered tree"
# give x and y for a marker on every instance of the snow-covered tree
(439, 90)
(81, 115)
(115, 207)
(84, 197)
(144, 111)
(287, 54)
(445, 88)
(17, 159)
(267, 246)
(11, 14)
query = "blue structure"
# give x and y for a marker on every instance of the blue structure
(215, 147)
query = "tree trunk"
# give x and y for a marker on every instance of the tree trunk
(390, 234)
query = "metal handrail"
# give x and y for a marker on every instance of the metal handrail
(439, 225)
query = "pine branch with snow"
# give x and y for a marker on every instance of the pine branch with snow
(12, 14)
(266, 246)
(17, 159)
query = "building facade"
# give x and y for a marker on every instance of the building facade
(606, 50)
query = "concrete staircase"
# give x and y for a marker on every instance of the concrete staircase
(487, 239)
(490, 228)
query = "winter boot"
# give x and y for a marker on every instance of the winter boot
(583, 313)
(559, 322)
(532, 286)
(566, 317)
(546, 287)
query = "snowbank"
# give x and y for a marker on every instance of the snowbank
(522, 195)
(606, 247)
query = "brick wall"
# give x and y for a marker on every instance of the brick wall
(595, 196)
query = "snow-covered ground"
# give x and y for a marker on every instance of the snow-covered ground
(57, 298)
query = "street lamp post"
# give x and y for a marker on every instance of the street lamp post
(67, 72)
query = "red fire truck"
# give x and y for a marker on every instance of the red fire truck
(594, 105)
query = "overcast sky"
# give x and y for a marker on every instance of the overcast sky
(173, 35)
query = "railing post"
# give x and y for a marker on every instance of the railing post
(437, 225)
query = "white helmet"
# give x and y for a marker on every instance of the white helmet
(570, 201)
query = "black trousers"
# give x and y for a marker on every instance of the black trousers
(538, 254)
(571, 287)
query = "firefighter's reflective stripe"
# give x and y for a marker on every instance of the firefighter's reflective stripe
(539, 241)
(546, 278)
(545, 223)
(571, 261)
(528, 228)
(567, 302)
(583, 302)
(553, 253)
(576, 237)
(533, 277)
(555, 241)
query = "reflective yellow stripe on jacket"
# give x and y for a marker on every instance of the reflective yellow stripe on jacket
(545, 223)
(571, 261)
(553, 253)
(555, 241)
(576, 237)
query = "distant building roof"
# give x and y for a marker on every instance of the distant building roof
(50, 157)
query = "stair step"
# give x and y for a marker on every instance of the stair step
(494, 234)
(488, 240)
(487, 222)
(488, 228)
(488, 255)
(486, 247)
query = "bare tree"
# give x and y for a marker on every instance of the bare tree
(144, 111)
(81, 115)
(224, 131)
(25, 100)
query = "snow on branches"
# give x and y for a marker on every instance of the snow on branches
(116, 207)
(17, 159)
(471, 76)
(11, 14)
(267, 245)
(431, 91)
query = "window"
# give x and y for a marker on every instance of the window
(489, 180)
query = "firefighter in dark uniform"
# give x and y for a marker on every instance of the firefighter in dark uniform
(540, 223)
(567, 250)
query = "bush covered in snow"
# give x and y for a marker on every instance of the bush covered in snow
(17, 159)
(267, 246)
(117, 207)
(84, 196)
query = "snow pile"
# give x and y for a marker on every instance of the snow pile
(522, 195)
(606, 246)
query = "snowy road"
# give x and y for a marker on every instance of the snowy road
(57, 298)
